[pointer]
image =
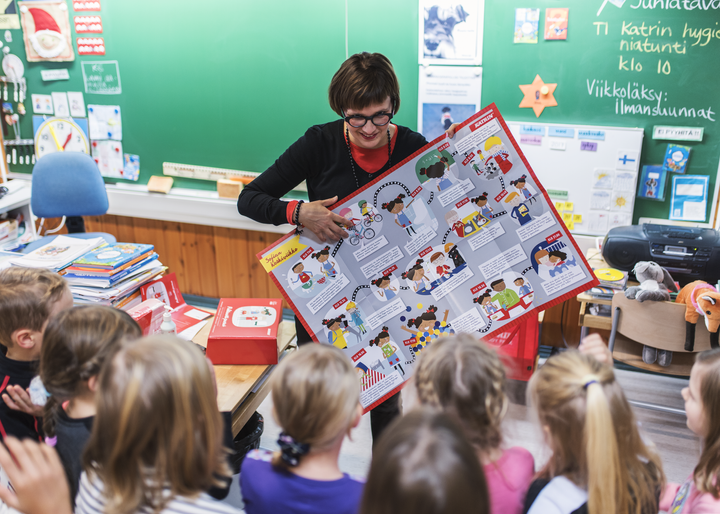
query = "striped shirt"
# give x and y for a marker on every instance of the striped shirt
(90, 500)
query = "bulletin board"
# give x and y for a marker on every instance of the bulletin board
(610, 71)
(590, 172)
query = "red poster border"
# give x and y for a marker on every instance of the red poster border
(490, 109)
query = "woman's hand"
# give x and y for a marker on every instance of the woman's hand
(451, 131)
(18, 398)
(316, 217)
(37, 477)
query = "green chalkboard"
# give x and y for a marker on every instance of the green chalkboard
(592, 63)
(228, 83)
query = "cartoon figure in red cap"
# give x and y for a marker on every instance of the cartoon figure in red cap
(47, 40)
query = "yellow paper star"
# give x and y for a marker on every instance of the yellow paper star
(538, 95)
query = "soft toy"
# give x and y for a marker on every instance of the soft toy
(700, 298)
(655, 285)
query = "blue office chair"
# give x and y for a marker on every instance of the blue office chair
(68, 184)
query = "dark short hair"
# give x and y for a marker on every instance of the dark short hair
(364, 79)
(496, 282)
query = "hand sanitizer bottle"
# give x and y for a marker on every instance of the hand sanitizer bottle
(167, 326)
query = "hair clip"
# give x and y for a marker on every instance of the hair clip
(291, 450)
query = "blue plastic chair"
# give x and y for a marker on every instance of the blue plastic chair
(68, 184)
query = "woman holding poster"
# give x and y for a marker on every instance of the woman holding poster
(336, 159)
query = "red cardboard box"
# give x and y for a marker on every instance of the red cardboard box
(245, 331)
(149, 315)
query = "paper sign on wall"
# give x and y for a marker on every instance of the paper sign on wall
(105, 122)
(88, 24)
(77, 104)
(101, 77)
(42, 104)
(688, 200)
(91, 46)
(109, 157)
(60, 103)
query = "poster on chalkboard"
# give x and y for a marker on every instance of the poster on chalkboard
(451, 31)
(459, 237)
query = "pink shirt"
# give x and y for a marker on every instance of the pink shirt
(508, 479)
(691, 501)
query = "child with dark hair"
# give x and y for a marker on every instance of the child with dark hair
(397, 207)
(417, 275)
(438, 171)
(389, 349)
(76, 344)
(328, 266)
(523, 288)
(505, 297)
(483, 206)
(520, 185)
(424, 464)
(29, 298)
(486, 301)
(427, 328)
(336, 331)
(303, 277)
(385, 290)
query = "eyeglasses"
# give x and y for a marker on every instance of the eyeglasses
(379, 120)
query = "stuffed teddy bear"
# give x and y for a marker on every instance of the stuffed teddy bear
(700, 298)
(655, 285)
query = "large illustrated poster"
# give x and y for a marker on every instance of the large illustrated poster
(459, 237)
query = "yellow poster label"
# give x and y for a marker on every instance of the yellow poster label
(277, 256)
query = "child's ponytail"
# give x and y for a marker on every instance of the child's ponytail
(594, 435)
(606, 476)
(50, 411)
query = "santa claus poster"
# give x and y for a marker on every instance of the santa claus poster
(459, 237)
(46, 31)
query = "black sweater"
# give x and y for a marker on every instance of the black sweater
(320, 157)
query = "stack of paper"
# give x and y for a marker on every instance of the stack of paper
(124, 293)
(58, 254)
(109, 264)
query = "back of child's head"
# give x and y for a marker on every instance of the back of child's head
(316, 394)
(76, 343)
(593, 434)
(157, 433)
(424, 464)
(707, 470)
(465, 378)
(27, 299)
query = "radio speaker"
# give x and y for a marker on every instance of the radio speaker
(623, 253)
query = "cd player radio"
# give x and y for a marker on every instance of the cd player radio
(687, 253)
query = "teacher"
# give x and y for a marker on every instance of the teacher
(337, 159)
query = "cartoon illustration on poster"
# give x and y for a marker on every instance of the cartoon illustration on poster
(459, 237)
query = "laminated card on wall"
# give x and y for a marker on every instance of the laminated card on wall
(459, 237)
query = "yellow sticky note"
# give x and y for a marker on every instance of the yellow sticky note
(570, 225)
(567, 217)
(569, 206)
(560, 206)
(577, 218)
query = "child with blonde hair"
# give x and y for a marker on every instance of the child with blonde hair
(701, 491)
(466, 379)
(76, 344)
(156, 442)
(316, 401)
(29, 298)
(599, 463)
(424, 464)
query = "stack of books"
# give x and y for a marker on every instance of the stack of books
(113, 274)
(611, 281)
(58, 254)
